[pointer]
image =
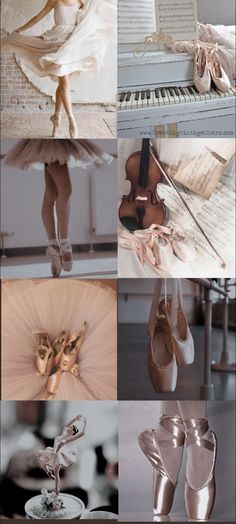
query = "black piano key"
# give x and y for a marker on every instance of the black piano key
(163, 92)
(182, 91)
(157, 93)
(143, 93)
(191, 90)
(122, 97)
(177, 91)
(148, 94)
(171, 91)
(128, 96)
(137, 95)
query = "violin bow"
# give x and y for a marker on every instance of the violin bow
(173, 185)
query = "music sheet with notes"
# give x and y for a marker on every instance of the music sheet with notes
(136, 19)
(177, 18)
(139, 18)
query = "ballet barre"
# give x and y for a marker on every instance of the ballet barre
(207, 388)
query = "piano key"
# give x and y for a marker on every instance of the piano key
(127, 96)
(122, 97)
(155, 99)
(186, 94)
(143, 95)
(197, 94)
(137, 95)
(148, 94)
(192, 97)
(157, 95)
(170, 96)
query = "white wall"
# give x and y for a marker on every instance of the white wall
(84, 90)
(135, 297)
(216, 11)
(22, 193)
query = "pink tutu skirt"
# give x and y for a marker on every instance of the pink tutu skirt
(38, 152)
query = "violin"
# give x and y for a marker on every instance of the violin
(142, 207)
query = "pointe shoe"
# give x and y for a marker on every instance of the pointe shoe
(182, 246)
(66, 249)
(56, 121)
(199, 501)
(201, 73)
(162, 365)
(70, 350)
(55, 258)
(152, 447)
(219, 76)
(156, 246)
(180, 332)
(73, 130)
(57, 347)
(44, 353)
(53, 381)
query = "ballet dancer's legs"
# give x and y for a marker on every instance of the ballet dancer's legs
(57, 479)
(63, 98)
(61, 179)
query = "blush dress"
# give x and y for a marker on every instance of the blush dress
(77, 43)
(38, 152)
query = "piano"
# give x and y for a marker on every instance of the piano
(157, 98)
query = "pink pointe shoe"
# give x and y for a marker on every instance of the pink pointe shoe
(66, 254)
(201, 73)
(56, 121)
(219, 77)
(44, 353)
(183, 246)
(54, 255)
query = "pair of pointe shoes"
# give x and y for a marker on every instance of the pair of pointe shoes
(171, 345)
(55, 358)
(207, 69)
(158, 246)
(60, 256)
(56, 121)
(199, 497)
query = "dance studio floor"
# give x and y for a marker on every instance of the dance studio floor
(91, 124)
(94, 265)
(134, 383)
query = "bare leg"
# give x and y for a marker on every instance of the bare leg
(57, 479)
(50, 197)
(59, 103)
(64, 91)
(61, 178)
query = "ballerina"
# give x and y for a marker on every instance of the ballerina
(52, 459)
(55, 157)
(77, 43)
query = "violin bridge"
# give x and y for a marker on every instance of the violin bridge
(142, 198)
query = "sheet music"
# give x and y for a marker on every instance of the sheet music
(216, 216)
(177, 18)
(203, 178)
(136, 20)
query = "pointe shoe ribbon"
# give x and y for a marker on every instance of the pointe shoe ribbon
(199, 501)
(152, 446)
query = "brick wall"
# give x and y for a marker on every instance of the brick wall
(17, 93)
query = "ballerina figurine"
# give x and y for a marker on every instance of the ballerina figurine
(52, 459)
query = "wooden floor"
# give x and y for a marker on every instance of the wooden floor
(93, 125)
(134, 383)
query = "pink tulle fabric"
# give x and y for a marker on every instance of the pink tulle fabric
(222, 35)
(37, 152)
(54, 305)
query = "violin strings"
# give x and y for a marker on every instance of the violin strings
(173, 185)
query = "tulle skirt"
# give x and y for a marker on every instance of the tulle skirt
(38, 152)
(50, 305)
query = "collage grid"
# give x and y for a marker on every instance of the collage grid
(118, 288)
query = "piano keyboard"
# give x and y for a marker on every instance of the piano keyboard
(175, 111)
(166, 96)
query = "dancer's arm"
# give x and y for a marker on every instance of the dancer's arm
(48, 7)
